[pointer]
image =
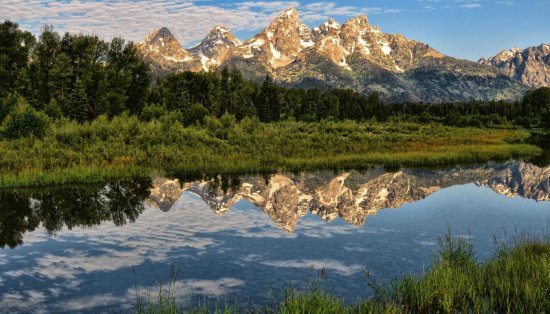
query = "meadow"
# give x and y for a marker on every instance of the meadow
(125, 146)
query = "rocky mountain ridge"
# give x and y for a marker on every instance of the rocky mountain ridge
(215, 48)
(530, 66)
(354, 55)
(352, 196)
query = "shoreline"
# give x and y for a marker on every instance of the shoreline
(393, 161)
(126, 147)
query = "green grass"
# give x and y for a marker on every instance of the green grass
(515, 280)
(125, 146)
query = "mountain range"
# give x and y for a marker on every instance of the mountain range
(354, 55)
(352, 196)
(530, 66)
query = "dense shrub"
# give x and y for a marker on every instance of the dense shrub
(196, 114)
(24, 121)
(8, 103)
(153, 111)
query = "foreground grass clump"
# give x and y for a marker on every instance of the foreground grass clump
(515, 280)
(126, 146)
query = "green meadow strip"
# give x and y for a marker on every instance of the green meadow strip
(126, 147)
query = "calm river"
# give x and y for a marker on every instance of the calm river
(86, 248)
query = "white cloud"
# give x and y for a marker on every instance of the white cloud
(448, 4)
(90, 302)
(329, 264)
(184, 288)
(24, 301)
(471, 6)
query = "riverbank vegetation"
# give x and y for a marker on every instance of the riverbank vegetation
(75, 108)
(125, 146)
(516, 279)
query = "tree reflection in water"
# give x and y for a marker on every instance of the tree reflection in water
(24, 210)
(285, 198)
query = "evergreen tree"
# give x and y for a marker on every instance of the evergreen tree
(241, 105)
(77, 106)
(291, 106)
(26, 86)
(140, 79)
(545, 119)
(60, 77)
(8, 103)
(15, 46)
(109, 99)
(224, 102)
(268, 105)
(45, 56)
(261, 108)
(236, 79)
(329, 107)
(183, 102)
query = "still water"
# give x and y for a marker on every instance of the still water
(86, 248)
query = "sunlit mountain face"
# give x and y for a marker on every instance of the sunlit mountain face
(530, 66)
(355, 55)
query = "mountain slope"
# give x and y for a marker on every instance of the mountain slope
(354, 55)
(530, 66)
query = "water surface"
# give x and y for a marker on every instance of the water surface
(84, 248)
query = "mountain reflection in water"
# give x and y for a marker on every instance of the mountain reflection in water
(240, 238)
(285, 198)
(352, 196)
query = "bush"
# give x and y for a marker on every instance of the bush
(250, 124)
(524, 122)
(153, 111)
(8, 103)
(53, 110)
(24, 121)
(214, 127)
(196, 113)
(228, 121)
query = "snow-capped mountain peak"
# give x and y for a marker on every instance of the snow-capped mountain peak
(215, 48)
(352, 55)
(161, 43)
(280, 43)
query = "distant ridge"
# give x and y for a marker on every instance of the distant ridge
(530, 66)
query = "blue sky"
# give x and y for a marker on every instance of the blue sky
(466, 29)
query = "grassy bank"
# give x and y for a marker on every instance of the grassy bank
(515, 280)
(125, 146)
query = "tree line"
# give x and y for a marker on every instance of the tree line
(82, 77)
